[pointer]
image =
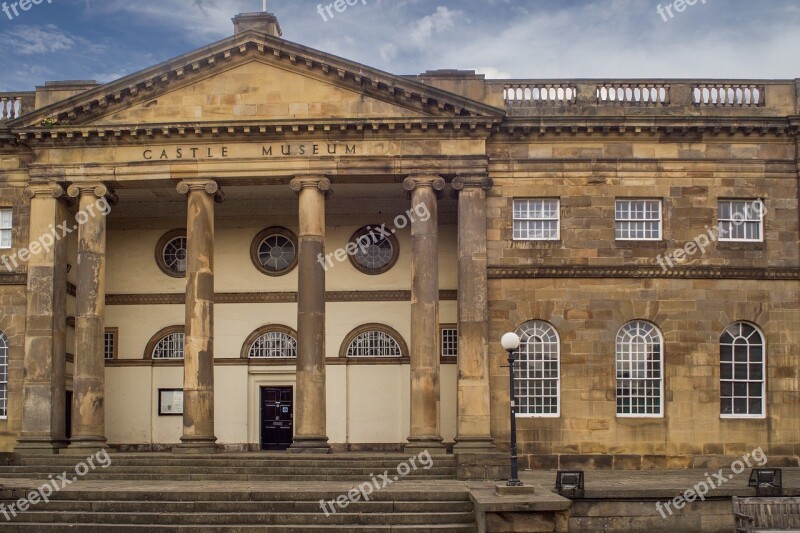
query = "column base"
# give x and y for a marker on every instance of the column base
(315, 444)
(432, 444)
(197, 445)
(85, 445)
(474, 445)
(40, 446)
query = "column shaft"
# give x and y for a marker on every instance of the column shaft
(198, 365)
(44, 385)
(474, 410)
(88, 403)
(310, 404)
(425, 432)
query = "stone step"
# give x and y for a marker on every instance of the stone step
(275, 467)
(227, 519)
(132, 506)
(215, 477)
(289, 495)
(365, 473)
(102, 528)
(251, 458)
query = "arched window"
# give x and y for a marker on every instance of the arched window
(742, 371)
(639, 370)
(537, 371)
(374, 340)
(166, 345)
(3, 375)
(271, 342)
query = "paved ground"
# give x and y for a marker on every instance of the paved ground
(663, 483)
(599, 484)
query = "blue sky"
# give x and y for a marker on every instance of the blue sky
(107, 39)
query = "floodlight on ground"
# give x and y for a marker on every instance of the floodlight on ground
(767, 481)
(570, 483)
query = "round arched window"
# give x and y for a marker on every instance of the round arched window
(274, 251)
(374, 340)
(171, 253)
(376, 252)
(167, 344)
(272, 343)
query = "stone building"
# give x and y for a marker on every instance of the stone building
(302, 250)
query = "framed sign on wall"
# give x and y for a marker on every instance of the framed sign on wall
(170, 402)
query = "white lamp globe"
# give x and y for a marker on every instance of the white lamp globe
(510, 341)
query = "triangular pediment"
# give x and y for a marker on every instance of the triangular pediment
(256, 77)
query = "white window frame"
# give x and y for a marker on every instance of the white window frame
(557, 219)
(746, 201)
(164, 339)
(622, 331)
(381, 336)
(521, 331)
(442, 330)
(9, 228)
(4, 355)
(630, 220)
(763, 340)
(268, 337)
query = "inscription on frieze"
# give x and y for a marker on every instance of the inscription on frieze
(178, 153)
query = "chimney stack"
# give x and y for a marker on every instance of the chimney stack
(263, 22)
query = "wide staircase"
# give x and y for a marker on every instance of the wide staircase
(238, 492)
(234, 467)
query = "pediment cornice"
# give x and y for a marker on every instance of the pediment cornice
(95, 103)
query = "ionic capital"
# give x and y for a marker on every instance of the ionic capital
(99, 190)
(52, 190)
(311, 181)
(208, 186)
(437, 183)
(478, 181)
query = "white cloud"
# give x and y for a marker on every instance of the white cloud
(29, 40)
(440, 21)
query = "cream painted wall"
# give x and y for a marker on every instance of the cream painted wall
(129, 405)
(230, 403)
(366, 403)
(166, 429)
(132, 269)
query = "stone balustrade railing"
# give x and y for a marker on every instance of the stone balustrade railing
(532, 97)
(14, 105)
(539, 94)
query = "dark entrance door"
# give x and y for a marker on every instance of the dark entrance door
(68, 417)
(277, 412)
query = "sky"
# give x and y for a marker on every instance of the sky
(525, 39)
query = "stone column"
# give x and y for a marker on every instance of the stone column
(425, 432)
(198, 365)
(311, 434)
(474, 411)
(88, 401)
(44, 384)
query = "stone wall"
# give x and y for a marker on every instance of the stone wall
(12, 314)
(588, 286)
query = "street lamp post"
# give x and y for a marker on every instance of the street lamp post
(511, 342)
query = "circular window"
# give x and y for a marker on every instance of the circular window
(376, 252)
(171, 253)
(274, 251)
